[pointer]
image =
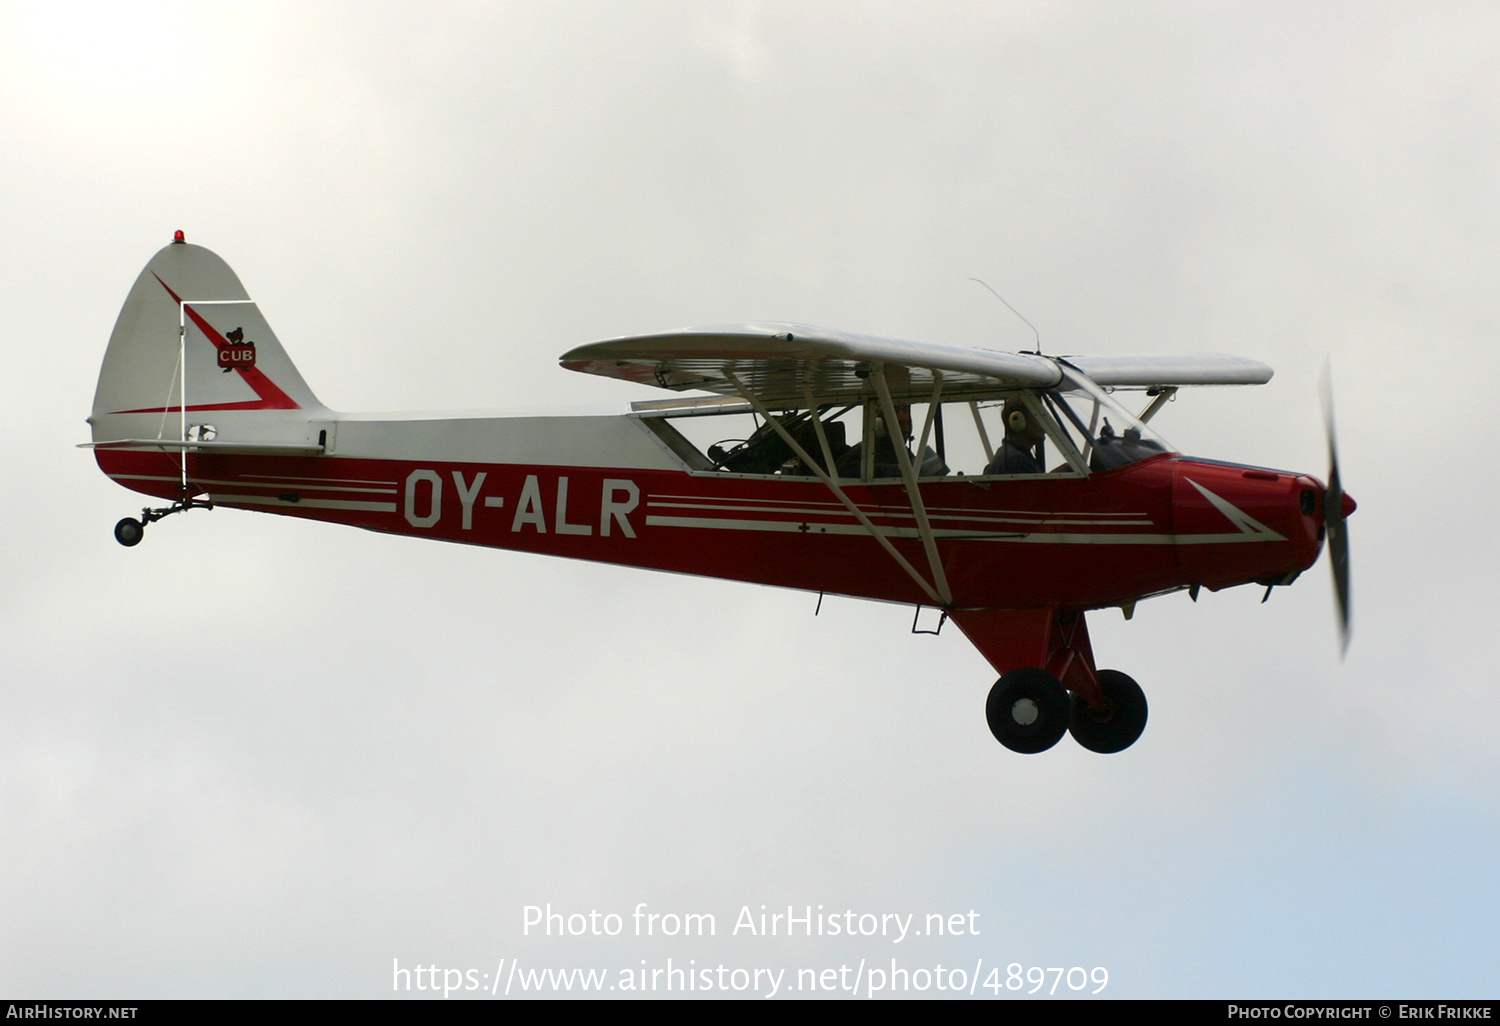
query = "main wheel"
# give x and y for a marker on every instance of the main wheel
(129, 532)
(1114, 726)
(1028, 710)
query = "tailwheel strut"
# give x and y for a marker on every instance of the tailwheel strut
(129, 532)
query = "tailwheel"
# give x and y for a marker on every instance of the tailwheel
(1114, 726)
(129, 532)
(1028, 710)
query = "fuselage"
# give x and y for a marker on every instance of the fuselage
(609, 489)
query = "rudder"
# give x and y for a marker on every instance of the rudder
(188, 327)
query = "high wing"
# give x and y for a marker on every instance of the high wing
(781, 363)
(778, 363)
(1171, 371)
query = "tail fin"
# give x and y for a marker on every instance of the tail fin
(190, 348)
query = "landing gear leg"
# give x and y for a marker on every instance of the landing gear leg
(1028, 710)
(129, 532)
(1114, 725)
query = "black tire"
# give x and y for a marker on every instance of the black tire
(1114, 727)
(129, 532)
(1028, 710)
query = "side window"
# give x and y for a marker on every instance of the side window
(680, 446)
(1074, 429)
(739, 442)
(765, 451)
(958, 438)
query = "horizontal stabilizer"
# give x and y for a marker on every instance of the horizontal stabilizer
(174, 445)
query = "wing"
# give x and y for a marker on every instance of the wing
(776, 362)
(1171, 371)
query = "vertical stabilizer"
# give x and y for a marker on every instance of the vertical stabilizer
(188, 328)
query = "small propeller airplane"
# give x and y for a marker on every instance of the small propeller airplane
(198, 403)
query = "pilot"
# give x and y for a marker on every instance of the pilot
(1019, 453)
(887, 462)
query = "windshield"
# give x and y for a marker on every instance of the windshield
(1102, 431)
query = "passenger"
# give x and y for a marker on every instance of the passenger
(887, 462)
(1018, 454)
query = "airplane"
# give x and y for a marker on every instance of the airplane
(805, 488)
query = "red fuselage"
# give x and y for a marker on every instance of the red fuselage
(1066, 542)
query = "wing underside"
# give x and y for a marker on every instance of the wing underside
(782, 363)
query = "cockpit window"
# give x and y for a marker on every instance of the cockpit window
(1073, 429)
(1104, 433)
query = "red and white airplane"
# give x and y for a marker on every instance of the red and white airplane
(199, 404)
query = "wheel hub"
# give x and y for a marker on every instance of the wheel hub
(1102, 713)
(1028, 710)
(1024, 712)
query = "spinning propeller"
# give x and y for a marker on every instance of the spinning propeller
(1336, 510)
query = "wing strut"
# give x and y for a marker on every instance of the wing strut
(1162, 397)
(913, 493)
(984, 436)
(932, 413)
(942, 598)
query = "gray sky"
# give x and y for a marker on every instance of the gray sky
(262, 757)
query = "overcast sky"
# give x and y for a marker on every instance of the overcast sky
(262, 757)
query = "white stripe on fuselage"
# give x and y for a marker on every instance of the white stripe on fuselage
(1035, 537)
(271, 500)
(1250, 529)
